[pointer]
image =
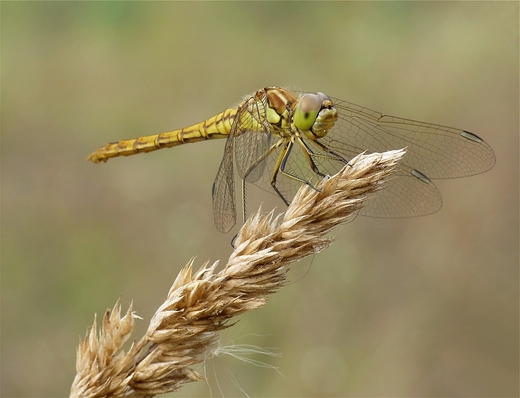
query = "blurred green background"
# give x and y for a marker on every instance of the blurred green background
(414, 307)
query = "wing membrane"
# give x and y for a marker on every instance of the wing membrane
(252, 139)
(223, 193)
(435, 150)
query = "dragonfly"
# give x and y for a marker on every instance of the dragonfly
(279, 139)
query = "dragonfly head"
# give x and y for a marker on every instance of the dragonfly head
(315, 115)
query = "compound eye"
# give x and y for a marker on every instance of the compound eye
(307, 110)
(323, 97)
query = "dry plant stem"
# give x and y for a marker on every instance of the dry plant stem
(184, 330)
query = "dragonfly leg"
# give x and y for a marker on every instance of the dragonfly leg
(280, 166)
(333, 155)
(273, 178)
(258, 161)
(312, 156)
(282, 158)
(309, 154)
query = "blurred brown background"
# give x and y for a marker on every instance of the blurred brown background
(413, 307)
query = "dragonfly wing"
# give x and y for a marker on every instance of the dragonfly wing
(252, 139)
(248, 143)
(434, 150)
(223, 193)
(408, 194)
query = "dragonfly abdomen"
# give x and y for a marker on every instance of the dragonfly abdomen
(218, 126)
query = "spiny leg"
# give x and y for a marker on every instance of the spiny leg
(328, 150)
(279, 161)
(281, 164)
(310, 156)
(309, 153)
(250, 170)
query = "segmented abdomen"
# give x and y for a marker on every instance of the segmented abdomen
(218, 126)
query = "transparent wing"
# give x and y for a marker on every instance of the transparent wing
(436, 151)
(252, 139)
(223, 192)
(248, 143)
(433, 152)
(263, 156)
(406, 195)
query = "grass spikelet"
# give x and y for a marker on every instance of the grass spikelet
(184, 329)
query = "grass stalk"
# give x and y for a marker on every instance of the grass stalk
(185, 328)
